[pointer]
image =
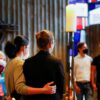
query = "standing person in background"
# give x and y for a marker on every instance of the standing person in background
(15, 81)
(82, 73)
(43, 67)
(95, 75)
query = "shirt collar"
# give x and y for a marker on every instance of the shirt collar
(81, 56)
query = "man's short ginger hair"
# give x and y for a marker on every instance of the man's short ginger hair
(43, 38)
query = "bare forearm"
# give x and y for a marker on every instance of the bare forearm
(31, 90)
(27, 90)
(93, 71)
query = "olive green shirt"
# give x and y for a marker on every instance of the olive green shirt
(14, 77)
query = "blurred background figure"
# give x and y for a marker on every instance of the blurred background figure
(95, 75)
(82, 71)
(2, 81)
(2, 62)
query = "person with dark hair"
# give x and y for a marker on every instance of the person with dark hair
(82, 73)
(14, 78)
(44, 67)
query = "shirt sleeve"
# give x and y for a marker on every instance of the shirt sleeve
(19, 79)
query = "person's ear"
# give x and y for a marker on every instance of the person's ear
(22, 48)
(49, 45)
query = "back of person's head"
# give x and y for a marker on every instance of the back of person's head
(43, 38)
(11, 48)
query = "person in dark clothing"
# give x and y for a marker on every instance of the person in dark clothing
(95, 72)
(14, 78)
(43, 67)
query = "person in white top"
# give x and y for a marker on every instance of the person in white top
(82, 73)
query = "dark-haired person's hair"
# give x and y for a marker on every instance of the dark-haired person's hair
(11, 48)
(20, 41)
(43, 38)
(80, 45)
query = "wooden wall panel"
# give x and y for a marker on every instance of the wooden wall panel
(93, 39)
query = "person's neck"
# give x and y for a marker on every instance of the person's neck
(82, 54)
(46, 50)
(19, 54)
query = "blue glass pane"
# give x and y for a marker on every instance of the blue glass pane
(72, 1)
(77, 36)
(77, 1)
(94, 5)
(82, 1)
(70, 52)
(91, 6)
